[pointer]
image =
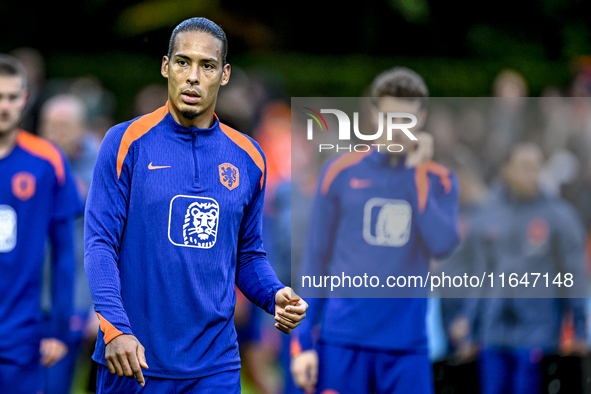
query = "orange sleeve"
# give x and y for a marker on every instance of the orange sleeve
(336, 167)
(43, 149)
(136, 130)
(108, 329)
(243, 142)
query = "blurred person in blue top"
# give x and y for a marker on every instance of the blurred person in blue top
(457, 312)
(38, 201)
(521, 230)
(382, 212)
(63, 122)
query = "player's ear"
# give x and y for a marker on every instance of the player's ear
(26, 97)
(225, 74)
(164, 68)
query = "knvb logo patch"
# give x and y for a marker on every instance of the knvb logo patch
(537, 234)
(229, 176)
(193, 221)
(23, 185)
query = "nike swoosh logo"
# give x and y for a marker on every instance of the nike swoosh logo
(359, 183)
(151, 167)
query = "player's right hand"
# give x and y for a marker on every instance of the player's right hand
(52, 351)
(304, 369)
(422, 151)
(125, 356)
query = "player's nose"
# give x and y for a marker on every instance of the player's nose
(4, 104)
(193, 77)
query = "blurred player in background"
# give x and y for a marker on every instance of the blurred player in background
(376, 345)
(173, 222)
(38, 200)
(523, 231)
(457, 312)
(457, 369)
(507, 119)
(63, 122)
(34, 65)
(149, 99)
(241, 110)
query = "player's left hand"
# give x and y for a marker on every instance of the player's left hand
(290, 310)
(422, 151)
(52, 350)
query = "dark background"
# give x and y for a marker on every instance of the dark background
(312, 48)
(317, 49)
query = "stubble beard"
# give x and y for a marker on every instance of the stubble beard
(9, 125)
(189, 114)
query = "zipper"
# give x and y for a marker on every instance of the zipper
(195, 157)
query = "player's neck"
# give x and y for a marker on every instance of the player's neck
(395, 159)
(201, 121)
(523, 196)
(7, 142)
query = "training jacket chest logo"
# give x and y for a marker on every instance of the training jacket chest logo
(7, 228)
(229, 176)
(151, 167)
(23, 185)
(387, 222)
(193, 221)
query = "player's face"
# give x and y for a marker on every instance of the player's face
(522, 172)
(62, 126)
(394, 104)
(13, 98)
(195, 73)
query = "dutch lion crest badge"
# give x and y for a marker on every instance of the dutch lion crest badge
(229, 175)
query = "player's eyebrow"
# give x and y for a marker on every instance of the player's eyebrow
(208, 59)
(182, 56)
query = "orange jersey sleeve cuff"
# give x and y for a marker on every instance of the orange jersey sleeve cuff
(108, 329)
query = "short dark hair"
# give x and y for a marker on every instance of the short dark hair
(400, 82)
(202, 25)
(12, 67)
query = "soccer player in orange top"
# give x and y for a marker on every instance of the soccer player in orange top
(173, 222)
(38, 200)
(386, 212)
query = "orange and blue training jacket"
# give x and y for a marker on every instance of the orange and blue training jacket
(173, 221)
(38, 202)
(376, 219)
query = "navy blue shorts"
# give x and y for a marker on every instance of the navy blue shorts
(510, 370)
(223, 382)
(356, 370)
(21, 379)
(20, 370)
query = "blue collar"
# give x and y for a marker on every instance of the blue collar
(383, 159)
(189, 130)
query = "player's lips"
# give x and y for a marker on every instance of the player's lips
(190, 96)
